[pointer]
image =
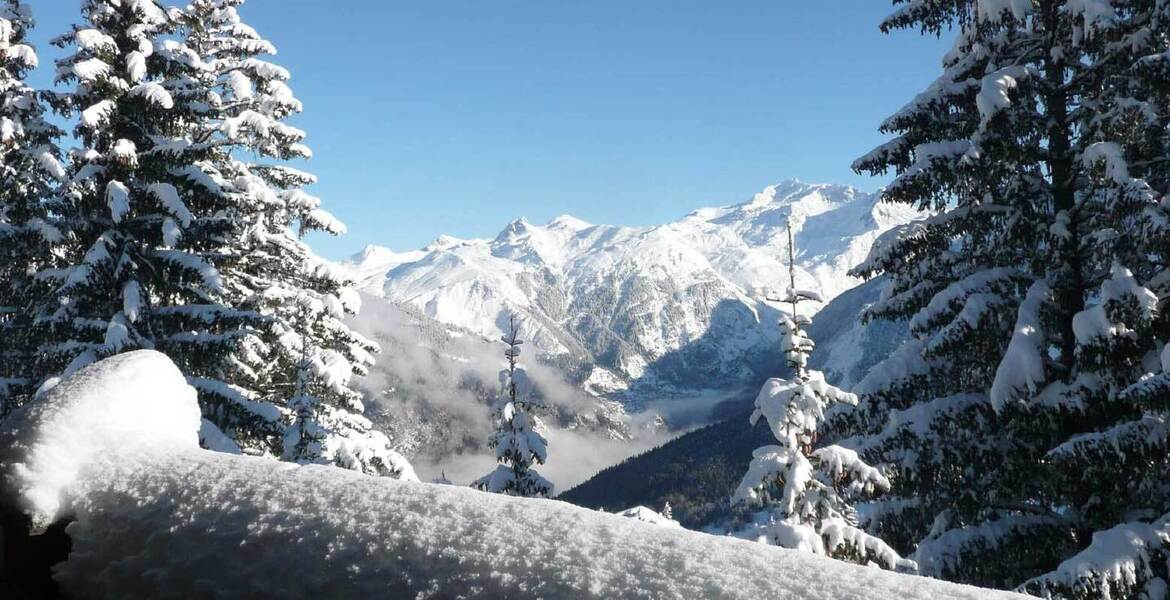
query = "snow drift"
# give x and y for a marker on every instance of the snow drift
(115, 448)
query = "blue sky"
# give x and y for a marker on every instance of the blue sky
(455, 116)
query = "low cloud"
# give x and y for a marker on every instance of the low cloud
(431, 392)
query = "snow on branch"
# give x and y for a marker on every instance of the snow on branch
(1022, 366)
(1119, 563)
(945, 304)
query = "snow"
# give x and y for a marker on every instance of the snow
(1022, 366)
(116, 447)
(207, 273)
(240, 85)
(994, 10)
(153, 93)
(1110, 154)
(939, 553)
(24, 54)
(90, 69)
(1116, 561)
(51, 165)
(168, 196)
(124, 151)
(134, 402)
(118, 199)
(1097, 15)
(1093, 322)
(646, 515)
(117, 333)
(171, 232)
(1151, 431)
(779, 399)
(212, 438)
(945, 303)
(844, 465)
(264, 69)
(136, 66)
(94, 116)
(926, 154)
(994, 89)
(92, 39)
(132, 300)
(321, 219)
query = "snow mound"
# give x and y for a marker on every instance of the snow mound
(131, 403)
(648, 515)
(157, 514)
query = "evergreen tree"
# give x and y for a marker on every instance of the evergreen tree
(301, 356)
(182, 245)
(1041, 152)
(28, 166)
(806, 493)
(143, 248)
(517, 440)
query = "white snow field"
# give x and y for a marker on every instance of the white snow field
(115, 447)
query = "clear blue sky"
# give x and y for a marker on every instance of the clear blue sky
(455, 116)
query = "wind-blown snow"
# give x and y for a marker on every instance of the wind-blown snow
(156, 515)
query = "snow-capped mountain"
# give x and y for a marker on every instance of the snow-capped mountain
(676, 306)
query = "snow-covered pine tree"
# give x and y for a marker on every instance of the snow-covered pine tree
(517, 439)
(143, 247)
(29, 166)
(147, 232)
(301, 356)
(180, 246)
(1041, 149)
(805, 494)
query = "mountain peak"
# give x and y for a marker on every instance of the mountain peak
(568, 222)
(444, 242)
(373, 254)
(517, 227)
(370, 251)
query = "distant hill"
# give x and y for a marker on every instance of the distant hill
(697, 472)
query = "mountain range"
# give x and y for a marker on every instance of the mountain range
(635, 329)
(672, 306)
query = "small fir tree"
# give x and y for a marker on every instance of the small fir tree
(805, 493)
(517, 439)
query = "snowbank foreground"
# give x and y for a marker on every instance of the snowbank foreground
(115, 447)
